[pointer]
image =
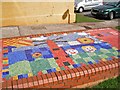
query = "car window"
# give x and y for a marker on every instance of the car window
(78, 0)
(88, 0)
(111, 3)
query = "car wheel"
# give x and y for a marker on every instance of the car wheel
(81, 10)
(111, 15)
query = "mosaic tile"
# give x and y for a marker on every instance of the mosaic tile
(30, 56)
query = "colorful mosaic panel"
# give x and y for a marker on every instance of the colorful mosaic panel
(28, 56)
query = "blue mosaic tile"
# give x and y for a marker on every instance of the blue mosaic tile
(6, 67)
(90, 62)
(105, 45)
(20, 76)
(109, 58)
(5, 73)
(10, 48)
(53, 70)
(29, 57)
(28, 51)
(25, 75)
(5, 55)
(49, 71)
(48, 56)
(97, 61)
(43, 49)
(76, 65)
(16, 57)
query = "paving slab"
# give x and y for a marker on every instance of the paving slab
(41, 29)
(9, 32)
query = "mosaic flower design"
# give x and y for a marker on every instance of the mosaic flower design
(89, 48)
(85, 40)
(36, 55)
(71, 51)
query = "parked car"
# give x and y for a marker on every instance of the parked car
(81, 5)
(109, 10)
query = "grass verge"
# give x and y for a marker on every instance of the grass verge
(111, 83)
(81, 18)
(118, 27)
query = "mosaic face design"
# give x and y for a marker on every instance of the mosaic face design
(28, 56)
(71, 51)
(89, 48)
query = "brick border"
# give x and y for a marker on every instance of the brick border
(69, 78)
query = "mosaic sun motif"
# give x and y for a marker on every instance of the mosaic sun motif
(89, 48)
(29, 56)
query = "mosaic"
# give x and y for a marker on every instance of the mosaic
(28, 56)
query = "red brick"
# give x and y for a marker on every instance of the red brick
(68, 74)
(45, 79)
(84, 70)
(59, 77)
(40, 81)
(25, 83)
(100, 67)
(77, 72)
(9, 83)
(73, 75)
(55, 80)
(58, 85)
(4, 85)
(89, 69)
(81, 72)
(95, 70)
(50, 79)
(35, 81)
(103, 66)
(20, 83)
(30, 82)
(64, 76)
(14, 82)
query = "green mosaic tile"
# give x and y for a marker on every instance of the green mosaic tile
(36, 66)
(110, 54)
(112, 50)
(83, 55)
(80, 61)
(22, 67)
(116, 53)
(62, 68)
(75, 56)
(103, 56)
(95, 57)
(70, 66)
(52, 62)
(104, 50)
(91, 54)
(8, 77)
(89, 59)
(99, 53)
(44, 71)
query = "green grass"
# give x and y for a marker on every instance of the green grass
(81, 18)
(111, 83)
(118, 27)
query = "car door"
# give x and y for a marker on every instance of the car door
(88, 4)
(117, 10)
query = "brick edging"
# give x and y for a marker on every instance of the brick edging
(68, 78)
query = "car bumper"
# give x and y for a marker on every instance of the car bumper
(98, 14)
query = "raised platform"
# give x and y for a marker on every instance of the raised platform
(60, 60)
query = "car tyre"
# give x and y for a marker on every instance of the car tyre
(81, 9)
(111, 15)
